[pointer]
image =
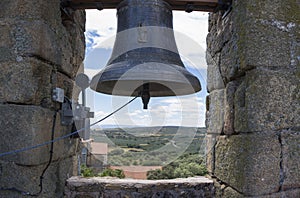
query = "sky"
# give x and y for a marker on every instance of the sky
(190, 34)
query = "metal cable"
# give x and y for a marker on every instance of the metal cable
(51, 150)
(65, 136)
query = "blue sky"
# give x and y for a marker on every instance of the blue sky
(190, 33)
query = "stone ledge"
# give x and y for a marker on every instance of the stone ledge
(112, 187)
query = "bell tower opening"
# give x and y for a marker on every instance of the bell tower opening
(173, 124)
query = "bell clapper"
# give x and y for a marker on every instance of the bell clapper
(145, 95)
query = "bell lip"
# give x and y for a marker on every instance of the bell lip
(178, 79)
(185, 88)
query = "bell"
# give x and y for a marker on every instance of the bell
(145, 60)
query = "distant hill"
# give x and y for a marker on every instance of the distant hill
(149, 139)
(146, 130)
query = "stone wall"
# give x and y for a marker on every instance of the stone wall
(197, 187)
(40, 48)
(253, 106)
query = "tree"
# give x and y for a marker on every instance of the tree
(185, 166)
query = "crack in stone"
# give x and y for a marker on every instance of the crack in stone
(228, 185)
(19, 104)
(281, 174)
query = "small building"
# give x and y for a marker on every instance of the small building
(97, 157)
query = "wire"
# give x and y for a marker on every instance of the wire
(50, 157)
(51, 149)
(65, 136)
(45, 169)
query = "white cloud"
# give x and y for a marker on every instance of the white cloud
(194, 24)
(105, 24)
(171, 111)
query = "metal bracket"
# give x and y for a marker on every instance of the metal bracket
(69, 115)
(81, 112)
(66, 114)
(58, 95)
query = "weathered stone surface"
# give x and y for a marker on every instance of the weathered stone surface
(62, 81)
(215, 116)
(248, 37)
(266, 45)
(27, 81)
(27, 178)
(267, 100)
(38, 51)
(249, 163)
(229, 107)
(60, 46)
(222, 50)
(229, 62)
(5, 42)
(37, 39)
(230, 192)
(218, 189)
(265, 35)
(74, 49)
(214, 78)
(210, 152)
(31, 81)
(220, 32)
(189, 187)
(28, 126)
(257, 45)
(271, 9)
(283, 194)
(291, 163)
(72, 55)
(31, 10)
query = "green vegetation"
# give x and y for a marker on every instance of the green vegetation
(178, 150)
(88, 172)
(149, 146)
(187, 165)
(112, 173)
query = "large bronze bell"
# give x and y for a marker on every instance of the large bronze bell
(145, 60)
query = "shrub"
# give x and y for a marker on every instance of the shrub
(112, 173)
(86, 172)
(185, 166)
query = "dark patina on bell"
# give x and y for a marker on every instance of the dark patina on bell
(145, 60)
